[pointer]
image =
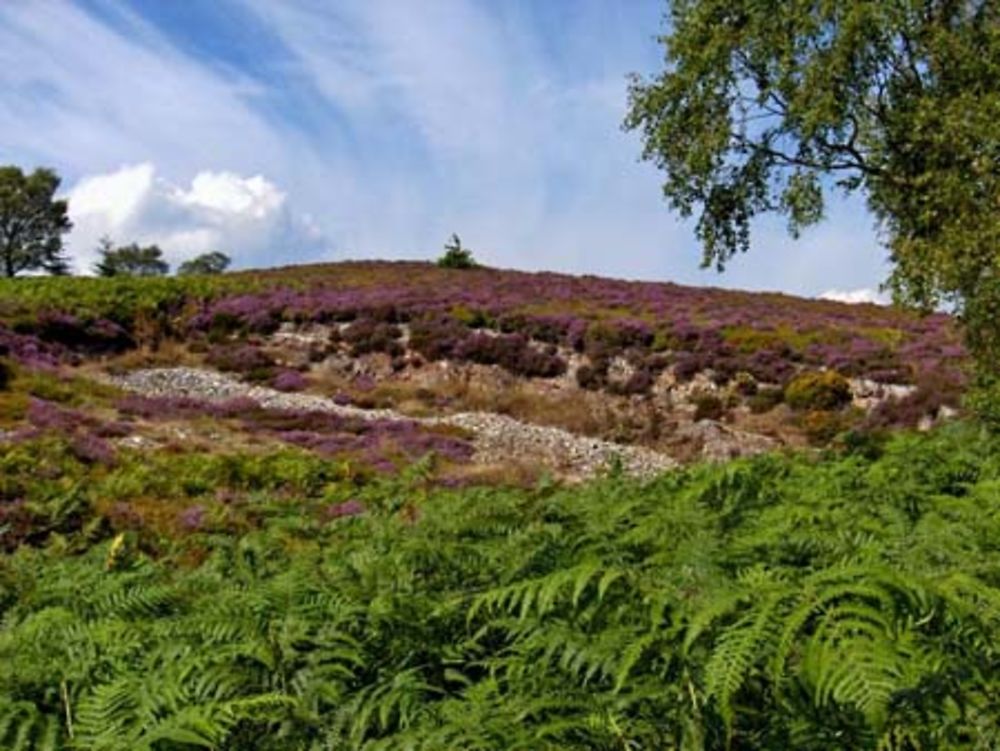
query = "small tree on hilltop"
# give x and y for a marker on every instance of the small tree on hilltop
(455, 256)
(130, 260)
(32, 222)
(207, 263)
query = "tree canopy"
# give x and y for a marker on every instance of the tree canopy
(764, 106)
(130, 260)
(207, 263)
(32, 222)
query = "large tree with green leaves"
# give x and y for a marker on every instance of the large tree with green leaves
(32, 222)
(766, 104)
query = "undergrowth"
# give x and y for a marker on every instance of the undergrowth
(850, 602)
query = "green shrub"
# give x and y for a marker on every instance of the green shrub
(766, 399)
(822, 426)
(745, 384)
(708, 406)
(455, 256)
(818, 390)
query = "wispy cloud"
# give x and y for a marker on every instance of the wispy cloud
(393, 124)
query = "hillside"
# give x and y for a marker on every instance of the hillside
(387, 505)
(686, 372)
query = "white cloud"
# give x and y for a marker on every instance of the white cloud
(855, 296)
(246, 217)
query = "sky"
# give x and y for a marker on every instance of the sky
(289, 131)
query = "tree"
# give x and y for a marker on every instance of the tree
(764, 106)
(207, 263)
(32, 222)
(455, 256)
(130, 260)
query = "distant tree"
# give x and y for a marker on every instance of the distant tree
(130, 260)
(207, 263)
(32, 222)
(455, 256)
(763, 105)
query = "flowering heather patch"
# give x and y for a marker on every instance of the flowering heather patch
(768, 335)
(249, 361)
(49, 416)
(29, 350)
(289, 380)
(192, 519)
(327, 433)
(182, 407)
(443, 338)
(728, 331)
(92, 449)
(371, 335)
(83, 335)
(373, 440)
(352, 507)
(85, 433)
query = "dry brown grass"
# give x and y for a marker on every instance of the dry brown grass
(168, 354)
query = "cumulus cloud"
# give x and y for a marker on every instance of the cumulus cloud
(855, 296)
(249, 218)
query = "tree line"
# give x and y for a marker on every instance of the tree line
(33, 222)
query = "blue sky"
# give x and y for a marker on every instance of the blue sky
(298, 130)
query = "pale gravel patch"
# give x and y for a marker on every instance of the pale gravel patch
(497, 438)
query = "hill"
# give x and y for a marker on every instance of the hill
(628, 362)
(386, 505)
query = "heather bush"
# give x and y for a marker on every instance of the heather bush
(818, 390)
(640, 382)
(368, 335)
(513, 352)
(436, 337)
(6, 374)
(440, 338)
(591, 377)
(687, 365)
(89, 336)
(249, 361)
(926, 401)
(607, 339)
(289, 380)
(768, 366)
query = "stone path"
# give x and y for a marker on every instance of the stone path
(497, 438)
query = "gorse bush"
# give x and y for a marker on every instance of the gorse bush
(822, 390)
(777, 603)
